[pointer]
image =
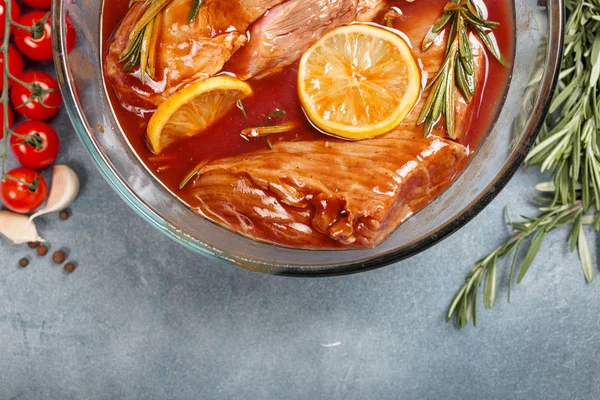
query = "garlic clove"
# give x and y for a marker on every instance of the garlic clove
(63, 190)
(18, 228)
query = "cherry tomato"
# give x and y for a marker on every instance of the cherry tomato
(15, 65)
(37, 44)
(23, 190)
(45, 4)
(44, 94)
(34, 144)
(15, 13)
(10, 119)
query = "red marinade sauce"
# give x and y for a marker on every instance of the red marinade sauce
(279, 91)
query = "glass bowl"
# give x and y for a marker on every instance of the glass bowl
(538, 53)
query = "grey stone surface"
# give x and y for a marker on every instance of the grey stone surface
(143, 318)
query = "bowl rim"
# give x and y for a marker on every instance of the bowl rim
(517, 156)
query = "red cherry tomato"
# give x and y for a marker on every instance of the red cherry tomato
(37, 44)
(23, 190)
(34, 144)
(45, 4)
(10, 119)
(15, 65)
(15, 13)
(44, 94)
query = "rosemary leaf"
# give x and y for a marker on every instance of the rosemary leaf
(513, 267)
(475, 20)
(595, 60)
(453, 305)
(195, 9)
(463, 83)
(489, 285)
(473, 301)
(240, 106)
(449, 93)
(440, 97)
(425, 111)
(454, 27)
(491, 45)
(277, 113)
(192, 174)
(534, 248)
(145, 49)
(585, 256)
(435, 29)
(151, 70)
(573, 236)
(262, 131)
(466, 53)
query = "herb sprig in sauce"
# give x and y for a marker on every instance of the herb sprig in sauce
(458, 69)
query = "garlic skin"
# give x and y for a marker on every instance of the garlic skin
(63, 190)
(18, 228)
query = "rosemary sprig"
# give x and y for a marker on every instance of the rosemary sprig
(141, 45)
(464, 304)
(138, 49)
(568, 146)
(458, 69)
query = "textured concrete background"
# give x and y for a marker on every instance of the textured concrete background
(143, 318)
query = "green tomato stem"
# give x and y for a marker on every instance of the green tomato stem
(8, 22)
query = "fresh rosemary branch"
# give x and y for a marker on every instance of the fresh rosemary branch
(568, 146)
(458, 69)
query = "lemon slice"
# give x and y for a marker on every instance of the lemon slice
(193, 109)
(358, 81)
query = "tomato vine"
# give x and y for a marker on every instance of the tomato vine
(38, 93)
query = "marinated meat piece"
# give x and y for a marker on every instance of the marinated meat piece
(186, 51)
(324, 194)
(280, 37)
